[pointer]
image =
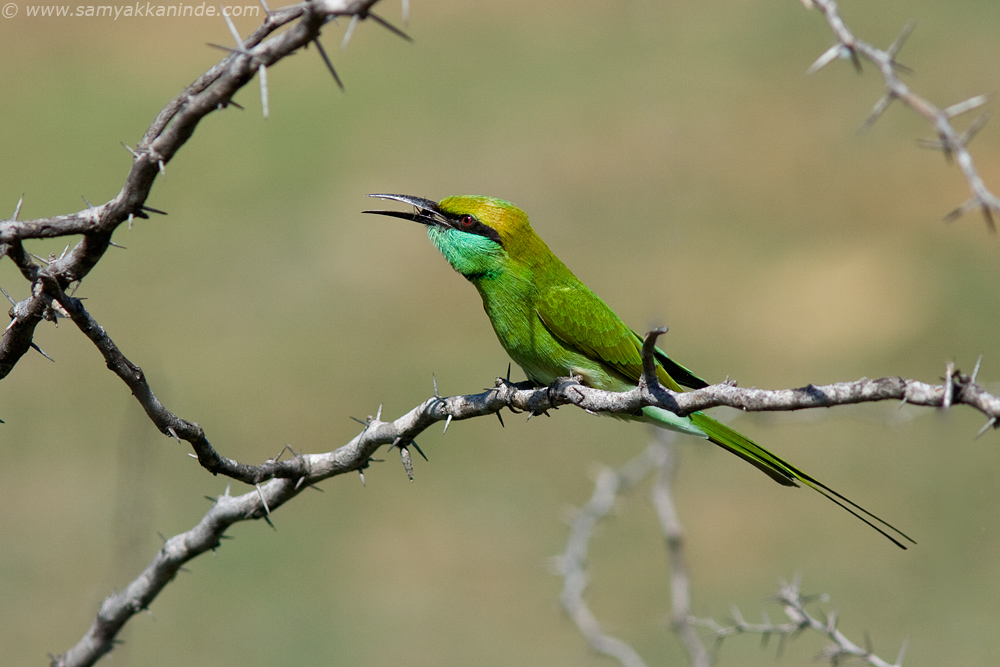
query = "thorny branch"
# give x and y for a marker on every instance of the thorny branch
(951, 142)
(571, 565)
(680, 584)
(839, 650)
(285, 479)
(657, 459)
(171, 129)
(957, 388)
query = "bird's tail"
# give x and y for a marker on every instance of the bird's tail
(787, 474)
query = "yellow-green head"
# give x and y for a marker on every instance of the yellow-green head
(479, 236)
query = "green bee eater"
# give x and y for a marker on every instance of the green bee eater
(553, 326)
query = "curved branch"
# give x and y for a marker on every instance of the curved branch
(839, 650)
(292, 476)
(171, 129)
(950, 141)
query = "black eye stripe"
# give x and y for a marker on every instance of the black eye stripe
(469, 223)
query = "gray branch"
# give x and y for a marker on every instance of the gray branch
(839, 650)
(680, 585)
(171, 129)
(657, 459)
(572, 564)
(951, 142)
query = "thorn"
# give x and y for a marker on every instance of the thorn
(828, 57)
(990, 423)
(17, 209)
(897, 44)
(902, 653)
(362, 474)
(12, 302)
(855, 59)
(287, 448)
(500, 418)
(170, 429)
(435, 383)
(388, 26)
(262, 71)
(267, 510)
(117, 245)
(211, 499)
(163, 537)
(378, 415)
(194, 456)
(949, 387)
(131, 217)
(299, 482)
(86, 201)
(877, 111)
(508, 371)
(349, 32)
(134, 154)
(329, 65)
(42, 352)
(404, 454)
(419, 451)
(975, 371)
(242, 52)
(988, 216)
(962, 210)
(900, 67)
(360, 421)
(966, 106)
(163, 169)
(267, 10)
(973, 129)
(447, 423)
(232, 29)
(152, 210)
(63, 253)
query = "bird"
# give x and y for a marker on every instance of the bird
(553, 326)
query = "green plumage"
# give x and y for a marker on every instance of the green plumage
(552, 325)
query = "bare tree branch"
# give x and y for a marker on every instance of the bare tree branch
(680, 586)
(951, 142)
(799, 619)
(572, 564)
(171, 129)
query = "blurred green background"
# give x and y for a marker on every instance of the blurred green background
(676, 157)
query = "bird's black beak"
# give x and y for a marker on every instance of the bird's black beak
(426, 212)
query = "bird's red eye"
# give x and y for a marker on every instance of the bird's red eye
(467, 220)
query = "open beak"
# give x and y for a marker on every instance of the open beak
(425, 211)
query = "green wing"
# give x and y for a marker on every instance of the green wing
(580, 320)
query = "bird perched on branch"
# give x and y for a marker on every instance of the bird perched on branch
(553, 326)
